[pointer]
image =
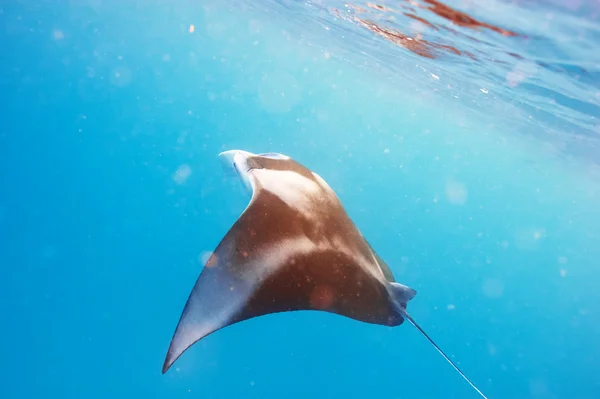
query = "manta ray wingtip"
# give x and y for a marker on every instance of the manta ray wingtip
(169, 360)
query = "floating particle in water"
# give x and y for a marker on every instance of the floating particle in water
(493, 288)
(521, 71)
(192, 28)
(484, 90)
(529, 238)
(456, 193)
(386, 151)
(513, 78)
(182, 174)
(563, 272)
(451, 307)
(58, 35)
(182, 137)
(120, 76)
(562, 260)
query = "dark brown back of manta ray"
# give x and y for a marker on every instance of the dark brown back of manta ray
(328, 279)
(322, 279)
(293, 248)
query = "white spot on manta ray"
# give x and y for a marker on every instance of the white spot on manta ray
(281, 252)
(295, 190)
(273, 256)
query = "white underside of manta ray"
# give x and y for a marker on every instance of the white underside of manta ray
(293, 248)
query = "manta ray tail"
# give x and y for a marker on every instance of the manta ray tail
(414, 323)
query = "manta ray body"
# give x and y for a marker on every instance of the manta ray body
(293, 248)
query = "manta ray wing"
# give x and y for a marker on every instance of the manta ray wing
(219, 293)
(293, 248)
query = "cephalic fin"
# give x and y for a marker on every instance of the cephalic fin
(402, 293)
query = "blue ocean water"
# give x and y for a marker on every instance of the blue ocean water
(467, 154)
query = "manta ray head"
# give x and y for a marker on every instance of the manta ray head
(239, 163)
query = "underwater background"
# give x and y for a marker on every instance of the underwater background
(461, 137)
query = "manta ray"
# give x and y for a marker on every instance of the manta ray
(293, 248)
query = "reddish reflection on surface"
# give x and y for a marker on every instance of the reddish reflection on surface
(421, 20)
(416, 43)
(462, 19)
